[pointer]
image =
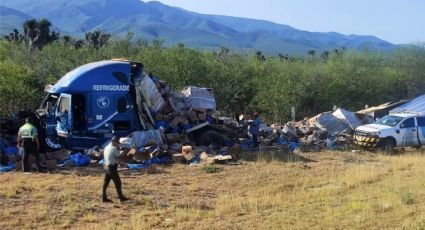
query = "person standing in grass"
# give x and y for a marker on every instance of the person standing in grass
(255, 129)
(28, 139)
(111, 158)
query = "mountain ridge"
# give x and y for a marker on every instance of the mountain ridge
(154, 20)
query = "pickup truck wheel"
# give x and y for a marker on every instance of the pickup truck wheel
(211, 137)
(388, 146)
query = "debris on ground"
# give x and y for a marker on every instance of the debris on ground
(185, 127)
(170, 143)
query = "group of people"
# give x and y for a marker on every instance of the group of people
(28, 139)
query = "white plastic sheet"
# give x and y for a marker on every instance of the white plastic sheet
(200, 98)
(140, 138)
(153, 97)
(347, 117)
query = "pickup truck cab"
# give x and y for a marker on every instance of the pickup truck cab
(393, 130)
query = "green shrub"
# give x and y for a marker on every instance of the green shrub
(211, 169)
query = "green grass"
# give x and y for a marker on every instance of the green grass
(211, 169)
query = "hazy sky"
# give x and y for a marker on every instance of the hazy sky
(397, 21)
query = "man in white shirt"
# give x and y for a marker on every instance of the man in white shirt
(111, 159)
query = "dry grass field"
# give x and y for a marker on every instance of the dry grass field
(328, 190)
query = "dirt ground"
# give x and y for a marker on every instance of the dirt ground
(325, 190)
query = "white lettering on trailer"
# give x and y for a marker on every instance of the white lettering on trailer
(111, 87)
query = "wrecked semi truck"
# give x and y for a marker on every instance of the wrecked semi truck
(93, 102)
(391, 131)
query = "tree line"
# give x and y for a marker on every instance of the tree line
(241, 82)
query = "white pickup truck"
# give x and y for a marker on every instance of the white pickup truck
(393, 130)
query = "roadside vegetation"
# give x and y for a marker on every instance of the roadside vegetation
(36, 56)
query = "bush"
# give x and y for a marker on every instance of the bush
(241, 82)
(408, 198)
(211, 169)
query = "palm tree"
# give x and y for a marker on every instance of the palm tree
(224, 51)
(97, 38)
(325, 55)
(66, 39)
(283, 56)
(312, 53)
(30, 33)
(14, 36)
(37, 34)
(44, 32)
(78, 44)
(259, 56)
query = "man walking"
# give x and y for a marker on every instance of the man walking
(110, 157)
(28, 139)
(255, 129)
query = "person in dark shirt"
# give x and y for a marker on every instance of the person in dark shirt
(255, 128)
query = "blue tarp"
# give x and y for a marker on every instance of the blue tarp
(6, 168)
(331, 143)
(281, 141)
(155, 160)
(161, 123)
(210, 119)
(11, 150)
(137, 166)
(293, 146)
(79, 159)
(195, 160)
(246, 144)
(3, 145)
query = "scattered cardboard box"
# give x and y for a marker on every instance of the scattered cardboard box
(177, 157)
(178, 120)
(152, 169)
(187, 152)
(61, 154)
(204, 156)
(142, 155)
(159, 117)
(202, 116)
(193, 117)
(51, 164)
(172, 137)
(139, 156)
(18, 166)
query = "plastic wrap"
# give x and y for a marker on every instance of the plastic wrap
(141, 138)
(200, 98)
(150, 92)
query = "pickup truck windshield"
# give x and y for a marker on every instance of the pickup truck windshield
(389, 120)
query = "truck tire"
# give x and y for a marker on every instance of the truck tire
(388, 146)
(211, 137)
(51, 145)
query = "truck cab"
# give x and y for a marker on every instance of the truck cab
(90, 104)
(393, 130)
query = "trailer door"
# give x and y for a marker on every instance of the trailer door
(63, 115)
